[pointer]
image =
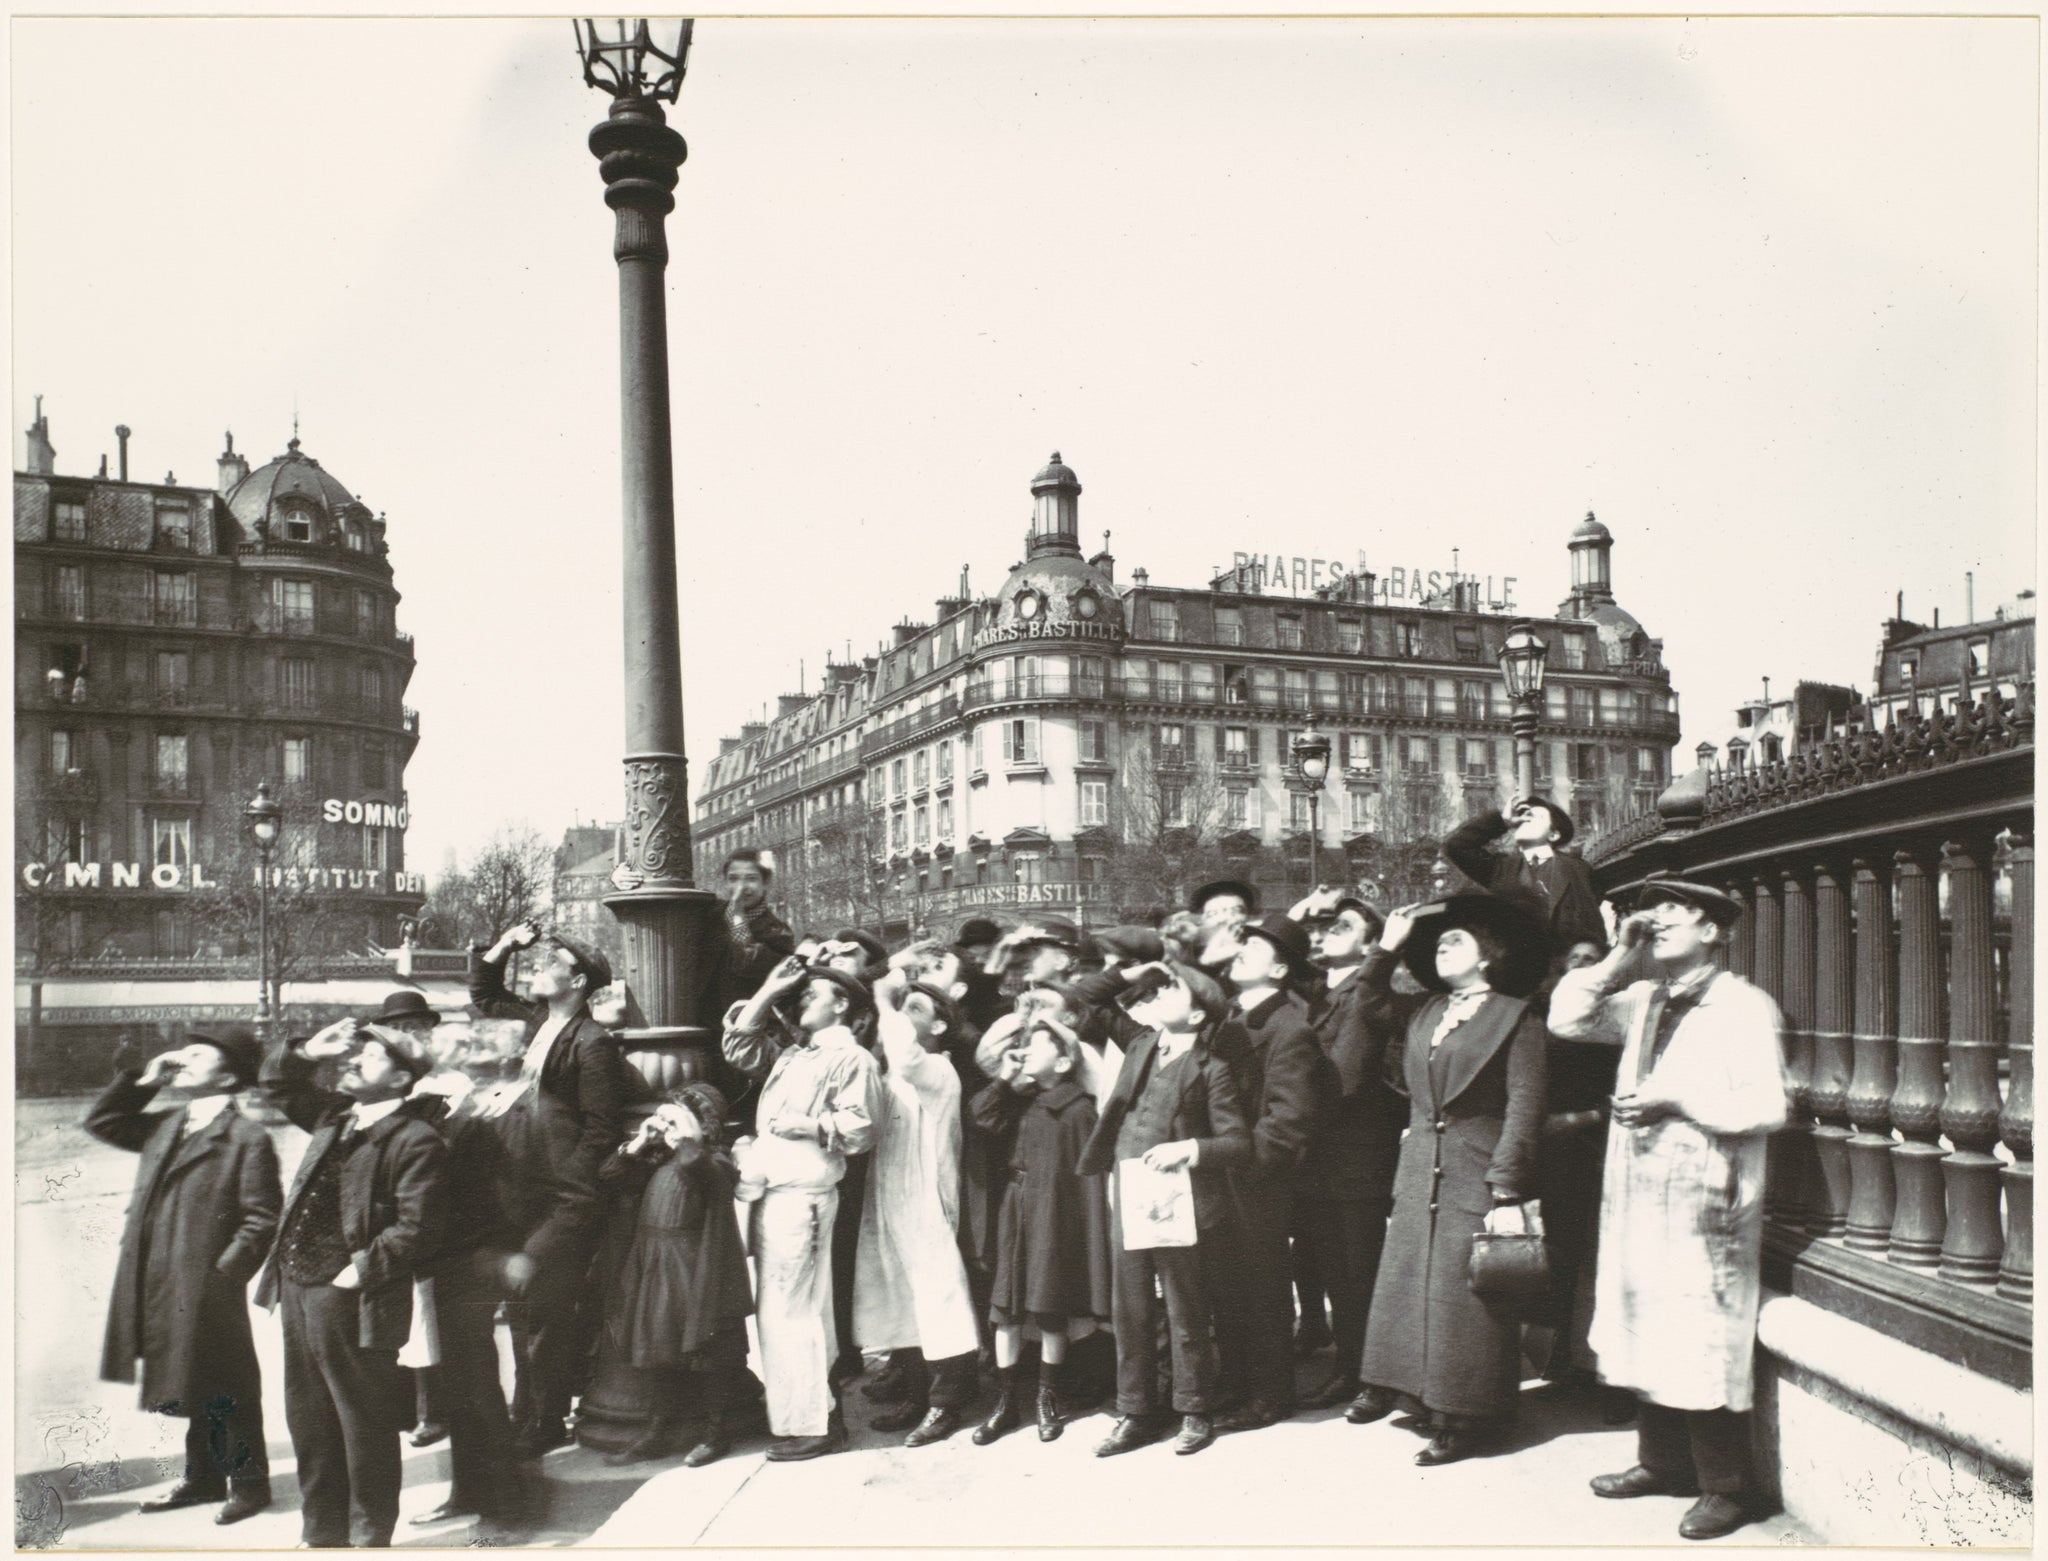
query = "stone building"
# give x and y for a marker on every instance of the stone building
(174, 645)
(1087, 745)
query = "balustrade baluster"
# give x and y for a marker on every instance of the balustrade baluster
(1920, 1217)
(1795, 1183)
(1869, 1149)
(1742, 937)
(1829, 1088)
(2016, 1121)
(1969, 1114)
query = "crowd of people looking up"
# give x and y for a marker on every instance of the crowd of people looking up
(999, 1180)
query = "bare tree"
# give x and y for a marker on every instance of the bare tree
(509, 879)
(1168, 818)
(842, 885)
(307, 919)
(1394, 860)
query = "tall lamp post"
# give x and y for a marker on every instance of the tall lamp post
(672, 936)
(264, 819)
(1312, 764)
(1522, 655)
(670, 925)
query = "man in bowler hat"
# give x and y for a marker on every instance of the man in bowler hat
(557, 1129)
(202, 1218)
(367, 1211)
(1287, 1085)
(1536, 864)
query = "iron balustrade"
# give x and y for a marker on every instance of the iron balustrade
(1887, 877)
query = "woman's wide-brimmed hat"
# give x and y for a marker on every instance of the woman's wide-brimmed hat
(1510, 918)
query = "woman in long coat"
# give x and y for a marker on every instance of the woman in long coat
(202, 1219)
(1472, 1067)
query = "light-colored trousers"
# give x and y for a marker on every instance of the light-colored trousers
(792, 1231)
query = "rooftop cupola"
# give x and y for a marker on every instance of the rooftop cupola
(1055, 511)
(1592, 547)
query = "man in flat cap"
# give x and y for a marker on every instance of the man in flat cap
(557, 1129)
(819, 1104)
(199, 1224)
(367, 1212)
(1677, 1284)
(1536, 863)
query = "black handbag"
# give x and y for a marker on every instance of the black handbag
(1512, 1271)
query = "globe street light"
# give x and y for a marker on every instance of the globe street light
(264, 819)
(1522, 655)
(1312, 764)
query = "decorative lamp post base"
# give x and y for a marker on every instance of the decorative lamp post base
(673, 939)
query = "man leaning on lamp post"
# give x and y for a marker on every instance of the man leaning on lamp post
(1700, 1089)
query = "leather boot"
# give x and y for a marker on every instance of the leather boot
(1006, 1415)
(1049, 1422)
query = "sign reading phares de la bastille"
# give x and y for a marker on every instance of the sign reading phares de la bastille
(1294, 575)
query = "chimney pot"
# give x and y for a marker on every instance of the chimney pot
(121, 432)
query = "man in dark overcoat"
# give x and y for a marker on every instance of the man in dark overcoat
(1287, 1085)
(1535, 867)
(367, 1210)
(202, 1218)
(1346, 1186)
(557, 1130)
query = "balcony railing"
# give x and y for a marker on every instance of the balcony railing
(1876, 870)
(903, 728)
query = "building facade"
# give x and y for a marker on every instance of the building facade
(1091, 746)
(174, 645)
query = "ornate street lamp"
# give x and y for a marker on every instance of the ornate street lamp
(671, 927)
(1522, 655)
(669, 923)
(264, 819)
(1312, 764)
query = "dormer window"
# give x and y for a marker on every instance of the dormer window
(295, 523)
(352, 533)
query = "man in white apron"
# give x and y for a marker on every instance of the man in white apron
(1700, 1090)
(819, 1105)
(910, 1287)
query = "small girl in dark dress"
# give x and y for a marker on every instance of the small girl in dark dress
(1052, 1263)
(680, 1297)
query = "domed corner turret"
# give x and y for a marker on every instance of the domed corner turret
(1592, 548)
(1055, 510)
(293, 500)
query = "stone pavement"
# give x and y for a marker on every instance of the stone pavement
(85, 1456)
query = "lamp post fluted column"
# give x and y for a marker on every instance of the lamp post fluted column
(667, 920)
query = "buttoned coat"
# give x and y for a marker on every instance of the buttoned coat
(1475, 1120)
(556, 1138)
(1562, 881)
(1288, 1086)
(1679, 1280)
(1052, 1243)
(1208, 1108)
(202, 1217)
(1352, 1155)
(394, 1196)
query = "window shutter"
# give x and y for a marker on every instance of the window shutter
(1251, 745)
(1222, 748)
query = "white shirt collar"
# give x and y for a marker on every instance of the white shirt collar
(1172, 1043)
(1340, 974)
(368, 1116)
(201, 1112)
(1535, 855)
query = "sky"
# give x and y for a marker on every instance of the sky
(1760, 293)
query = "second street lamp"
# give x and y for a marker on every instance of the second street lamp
(265, 819)
(1522, 657)
(1312, 764)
